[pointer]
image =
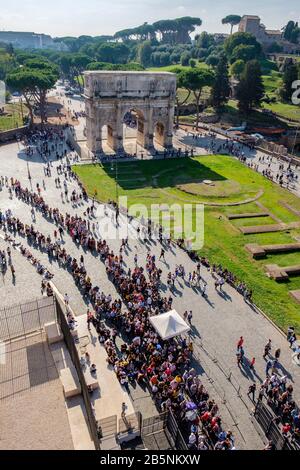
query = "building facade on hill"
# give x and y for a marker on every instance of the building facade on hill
(30, 40)
(252, 24)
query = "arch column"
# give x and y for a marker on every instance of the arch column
(118, 131)
(168, 136)
(142, 137)
(93, 130)
(150, 130)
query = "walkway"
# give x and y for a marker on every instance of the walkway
(218, 321)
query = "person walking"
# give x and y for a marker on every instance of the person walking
(268, 348)
(240, 343)
(268, 367)
(13, 271)
(252, 363)
(251, 391)
(123, 410)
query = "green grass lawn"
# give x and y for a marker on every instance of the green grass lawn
(224, 243)
(285, 110)
(13, 118)
(272, 83)
(170, 68)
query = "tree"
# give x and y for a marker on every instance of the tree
(212, 60)
(181, 84)
(290, 75)
(233, 20)
(34, 80)
(7, 63)
(238, 39)
(115, 53)
(237, 68)
(250, 89)
(186, 26)
(205, 40)
(185, 58)
(295, 35)
(194, 80)
(176, 31)
(221, 86)
(290, 31)
(274, 47)
(192, 63)
(144, 53)
(243, 52)
(79, 64)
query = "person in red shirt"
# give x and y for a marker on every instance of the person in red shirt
(286, 428)
(206, 417)
(252, 363)
(240, 343)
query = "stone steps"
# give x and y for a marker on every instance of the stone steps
(260, 251)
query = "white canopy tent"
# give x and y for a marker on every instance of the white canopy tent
(168, 325)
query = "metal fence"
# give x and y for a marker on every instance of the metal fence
(166, 424)
(265, 419)
(130, 424)
(69, 340)
(24, 319)
(175, 433)
(154, 424)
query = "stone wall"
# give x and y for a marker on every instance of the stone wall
(12, 134)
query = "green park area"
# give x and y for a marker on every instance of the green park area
(12, 118)
(181, 181)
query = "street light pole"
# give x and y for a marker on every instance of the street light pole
(117, 185)
(296, 134)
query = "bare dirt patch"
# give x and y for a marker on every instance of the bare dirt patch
(215, 188)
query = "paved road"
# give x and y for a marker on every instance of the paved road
(217, 324)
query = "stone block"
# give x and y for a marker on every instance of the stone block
(53, 333)
(70, 382)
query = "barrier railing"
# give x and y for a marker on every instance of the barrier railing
(69, 340)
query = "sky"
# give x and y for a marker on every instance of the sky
(97, 17)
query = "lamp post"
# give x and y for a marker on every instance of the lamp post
(296, 134)
(116, 178)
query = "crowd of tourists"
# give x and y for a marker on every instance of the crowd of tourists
(278, 392)
(164, 367)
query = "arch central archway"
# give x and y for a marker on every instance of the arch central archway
(135, 130)
(160, 134)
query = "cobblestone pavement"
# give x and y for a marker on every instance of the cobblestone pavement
(26, 286)
(218, 322)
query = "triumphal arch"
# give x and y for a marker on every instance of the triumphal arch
(110, 96)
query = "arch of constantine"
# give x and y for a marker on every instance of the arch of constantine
(110, 95)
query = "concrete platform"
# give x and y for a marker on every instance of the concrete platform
(259, 251)
(295, 294)
(53, 333)
(108, 399)
(256, 250)
(269, 228)
(91, 380)
(70, 382)
(252, 229)
(281, 273)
